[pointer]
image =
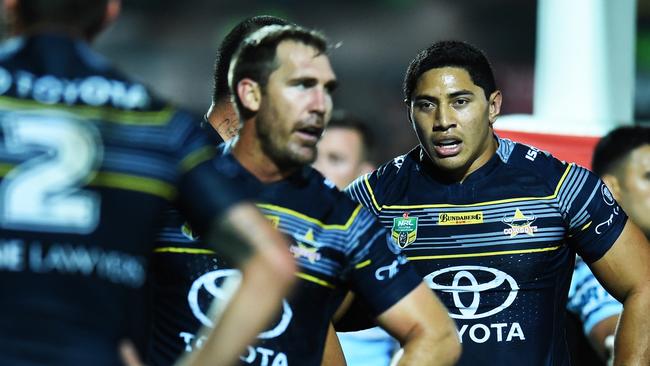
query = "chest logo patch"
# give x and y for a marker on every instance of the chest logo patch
(460, 218)
(306, 247)
(404, 230)
(519, 224)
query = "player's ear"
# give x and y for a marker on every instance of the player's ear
(494, 106)
(249, 94)
(408, 111)
(611, 181)
(113, 8)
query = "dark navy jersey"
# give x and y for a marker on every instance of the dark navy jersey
(338, 245)
(89, 159)
(499, 247)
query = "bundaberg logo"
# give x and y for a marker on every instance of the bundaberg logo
(519, 224)
(405, 230)
(460, 218)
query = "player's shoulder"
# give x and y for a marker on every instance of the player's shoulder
(387, 183)
(335, 207)
(527, 161)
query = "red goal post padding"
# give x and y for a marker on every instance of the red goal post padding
(577, 149)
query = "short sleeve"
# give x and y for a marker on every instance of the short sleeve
(595, 220)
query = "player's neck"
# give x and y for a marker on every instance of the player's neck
(249, 153)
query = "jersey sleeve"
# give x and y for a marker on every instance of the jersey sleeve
(203, 192)
(595, 220)
(589, 300)
(361, 190)
(378, 273)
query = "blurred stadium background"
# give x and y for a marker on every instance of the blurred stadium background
(170, 44)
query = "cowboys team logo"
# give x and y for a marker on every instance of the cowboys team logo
(187, 232)
(519, 224)
(405, 230)
(306, 248)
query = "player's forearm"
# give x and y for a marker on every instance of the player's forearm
(251, 308)
(632, 345)
(429, 347)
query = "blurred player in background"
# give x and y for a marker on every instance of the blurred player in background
(622, 160)
(88, 160)
(167, 344)
(493, 226)
(282, 83)
(344, 153)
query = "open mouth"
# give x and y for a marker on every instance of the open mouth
(447, 147)
(310, 134)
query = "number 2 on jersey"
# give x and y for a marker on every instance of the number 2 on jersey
(43, 192)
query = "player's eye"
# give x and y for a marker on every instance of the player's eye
(424, 105)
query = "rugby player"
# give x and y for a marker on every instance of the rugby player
(89, 159)
(622, 160)
(493, 226)
(282, 81)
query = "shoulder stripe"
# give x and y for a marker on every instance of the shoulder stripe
(311, 219)
(518, 199)
(197, 157)
(371, 193)
(134, 183)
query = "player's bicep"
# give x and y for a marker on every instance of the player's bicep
(624, 267)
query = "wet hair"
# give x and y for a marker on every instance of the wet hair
(615, 147)
(228, 48)
(451, 54)
(256, 57)
(344, 120)
(86, 16)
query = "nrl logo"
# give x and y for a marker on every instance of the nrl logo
(519, 224)
(405, 230)
(306, 247)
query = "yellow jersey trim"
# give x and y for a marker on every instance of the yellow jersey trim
(134, 183)
(311, 219)
(145, 118)
(485, 254)
(196, 158)
(183, 250)
(315, 280)
(365, 263)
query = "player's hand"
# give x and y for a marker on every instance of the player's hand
(129, 354)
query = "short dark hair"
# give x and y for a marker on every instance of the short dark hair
(451, 54)
(344, 120)
(256, 57)
(85, 15)
(615, 147)
(229, 46)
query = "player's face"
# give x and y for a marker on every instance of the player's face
(453, 120)
(340, 155)
(634, 193)
(296, 104)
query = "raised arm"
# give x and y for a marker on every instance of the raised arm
(625, 272)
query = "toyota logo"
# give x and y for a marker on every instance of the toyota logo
(220, 285)
(463, 280)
